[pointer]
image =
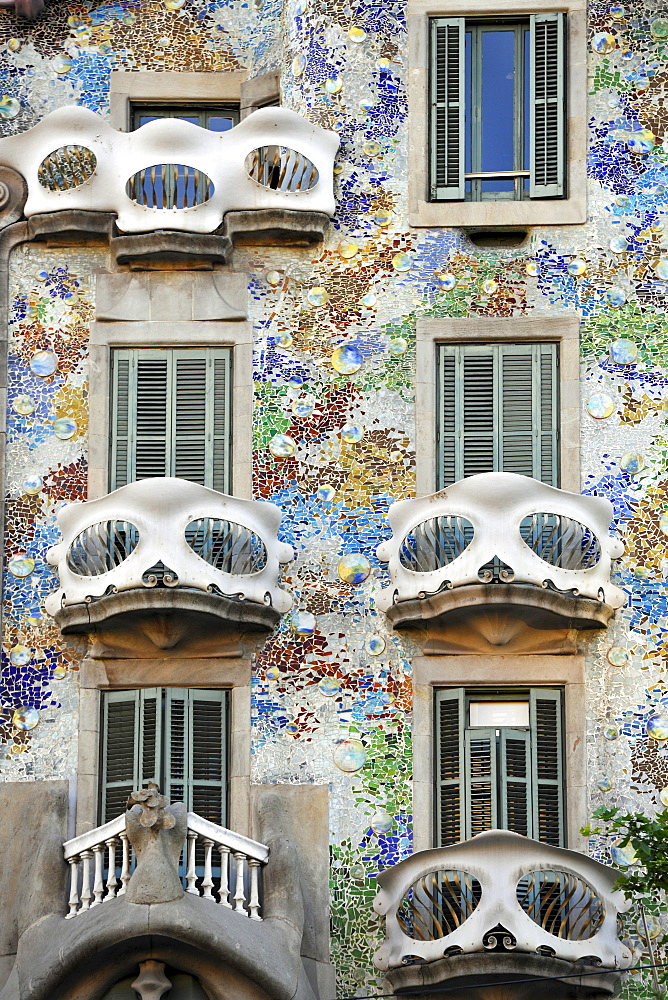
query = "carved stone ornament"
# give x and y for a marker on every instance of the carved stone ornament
(151, 983)
(157, 831)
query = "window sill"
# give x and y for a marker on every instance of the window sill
(463, 214)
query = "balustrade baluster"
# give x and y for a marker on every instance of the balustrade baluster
(191, 872)
(111, 868)
(207, 881)
(254, 905)
(98, 887)
(223, 895)
(239, 895)
(86, 894)
(74, 886)
(125, 868)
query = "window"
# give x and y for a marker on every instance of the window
(497, 126)
(499, 763)
(171, 415)
(176, 737)
(497, 411)
(215, 117)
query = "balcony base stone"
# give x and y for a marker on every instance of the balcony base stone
(505, 976)
(195, 251)
(275, 227)
(138, 623)
(501, 618)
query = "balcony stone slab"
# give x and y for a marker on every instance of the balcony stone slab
(172, 624)
(271, 227)
(196, 251)
(504, 977)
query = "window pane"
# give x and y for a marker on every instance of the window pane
(218, 123)
(194, 119)
(498, 87)
(143, 119)
(494, 714)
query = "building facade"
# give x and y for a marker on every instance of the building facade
(334, 474)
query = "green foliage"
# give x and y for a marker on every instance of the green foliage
(644, 881)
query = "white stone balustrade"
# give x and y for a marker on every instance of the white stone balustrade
(171, 174)
(500, 527)
(102, 861)
(500, 891)
(173, 533)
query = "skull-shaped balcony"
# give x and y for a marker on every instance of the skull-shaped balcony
(172, 189)
(505, 911)
(166, 564)
(499, 554)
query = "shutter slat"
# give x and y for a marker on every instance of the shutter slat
(515, 775)
(546, 731)
(449, 765)
(447, 108)
(547, 96)
(207, 712)
(481, 774)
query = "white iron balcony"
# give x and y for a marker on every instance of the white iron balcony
(171, 559)
(501, 907)
(271, 174)
(504, 541)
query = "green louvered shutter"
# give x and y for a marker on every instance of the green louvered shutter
(515, 781)
(131, 739)
(447, 108)
(195, 750)
(450, 785)
(481, 793)
(498, 410)
(548, 105)
(547, 766)
(120, 419)
(171, 413)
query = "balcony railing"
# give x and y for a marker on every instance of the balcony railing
(171, 174)
(501, 528)
(102, 861)
(169, 533)
(500, 892)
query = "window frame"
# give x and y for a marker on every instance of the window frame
(563, 330)
(499, 780)
(570, 210)
(202, 109)
(100, 676)
(127, 87)
(151, 298)
(503, 671)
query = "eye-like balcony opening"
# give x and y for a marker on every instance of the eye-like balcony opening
(171, 565)
(504, 545)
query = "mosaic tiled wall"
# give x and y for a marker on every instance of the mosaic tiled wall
(334, 424)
